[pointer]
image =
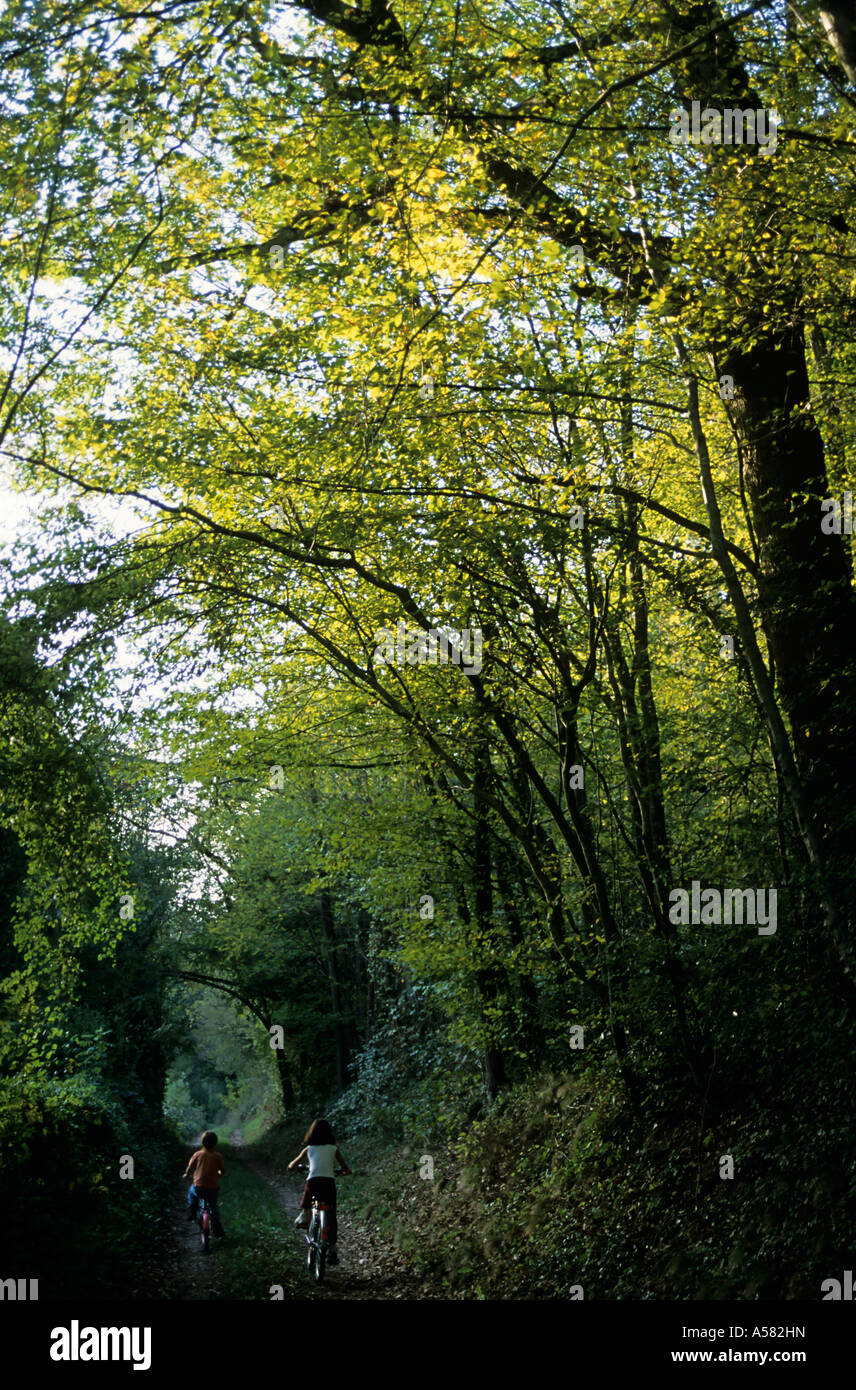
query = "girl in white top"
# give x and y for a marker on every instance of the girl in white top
(322, 1154)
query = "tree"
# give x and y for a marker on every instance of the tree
(375, 312)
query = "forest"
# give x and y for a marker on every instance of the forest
(427, 661)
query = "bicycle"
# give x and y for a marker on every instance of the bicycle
(317, 1236)
(205, 1218)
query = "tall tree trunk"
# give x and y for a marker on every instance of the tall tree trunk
(530, 1022)
(639, 741)
(487, 977)
(285, 1083)
(806, 602)
(328, 927)
(839, 23)
(807, 599)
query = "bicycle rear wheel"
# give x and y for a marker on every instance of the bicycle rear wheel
(321, 1248)
(205, 1223)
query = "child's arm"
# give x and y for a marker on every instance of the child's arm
(342, 1164)
(186, 1173)
(294, 1162)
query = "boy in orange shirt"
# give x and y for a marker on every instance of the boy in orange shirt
(205, 1168)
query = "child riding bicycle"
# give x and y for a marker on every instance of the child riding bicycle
(205, 1168)
(320, 1152)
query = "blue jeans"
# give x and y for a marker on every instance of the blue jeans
(212, 1193)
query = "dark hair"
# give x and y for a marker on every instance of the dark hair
(319, 1132)
(209, 1139)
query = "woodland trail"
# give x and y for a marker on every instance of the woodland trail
(263, 1250)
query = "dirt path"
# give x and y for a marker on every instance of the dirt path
(193, 1274)
(370, 1268)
